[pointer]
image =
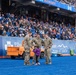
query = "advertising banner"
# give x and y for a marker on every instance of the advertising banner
(58, 4)
(63, 46)
(59, 46)
(10, 41)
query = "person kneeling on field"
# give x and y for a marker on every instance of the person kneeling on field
(37, 54)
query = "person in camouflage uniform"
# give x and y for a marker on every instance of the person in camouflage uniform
(27, 45)
(37, 43)
(47, 43)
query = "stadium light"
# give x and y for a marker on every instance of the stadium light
(33, 2)
(58, 8)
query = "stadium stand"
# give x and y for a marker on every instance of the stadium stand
(11, 25)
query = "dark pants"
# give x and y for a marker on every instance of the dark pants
(37, 59)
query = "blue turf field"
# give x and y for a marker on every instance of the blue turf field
(60, 66)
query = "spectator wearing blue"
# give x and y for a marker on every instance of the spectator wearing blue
(58, 35)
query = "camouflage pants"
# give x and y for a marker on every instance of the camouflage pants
(47, 56)
(34, 59)
(27, 58)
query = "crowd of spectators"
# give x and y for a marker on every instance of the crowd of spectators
(18, 26)
(70, 2)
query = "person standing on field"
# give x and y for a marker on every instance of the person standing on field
(27, 45)
(37, 43)
(47, 43)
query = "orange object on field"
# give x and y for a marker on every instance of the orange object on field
(19, 51)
